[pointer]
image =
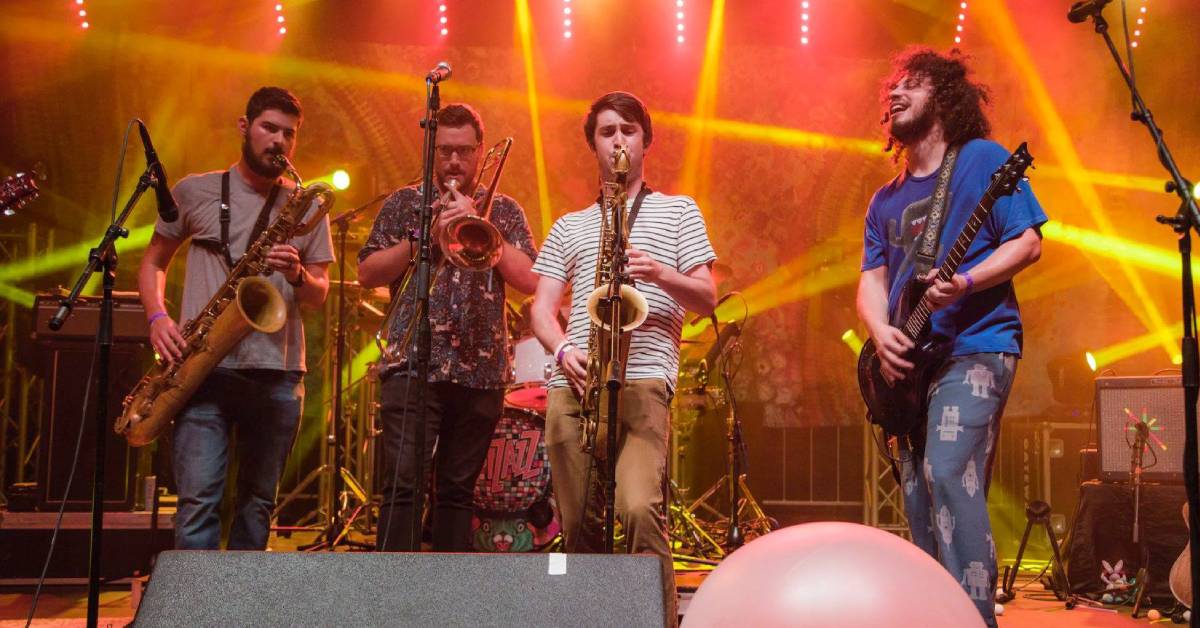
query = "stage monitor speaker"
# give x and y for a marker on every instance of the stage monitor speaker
(208, 588)
(64, 368)
(1158, 400)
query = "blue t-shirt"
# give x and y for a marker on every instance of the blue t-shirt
(987, 321)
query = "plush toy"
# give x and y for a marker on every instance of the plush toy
(1118, 585)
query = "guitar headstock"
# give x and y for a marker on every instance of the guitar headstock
(18, 189)
(1009, 176)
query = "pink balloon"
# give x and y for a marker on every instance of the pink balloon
(831, 574)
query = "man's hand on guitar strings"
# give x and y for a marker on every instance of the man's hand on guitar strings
(890, 345)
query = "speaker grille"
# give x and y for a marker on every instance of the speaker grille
(1156, 400)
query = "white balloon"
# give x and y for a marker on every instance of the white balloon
(831, 574)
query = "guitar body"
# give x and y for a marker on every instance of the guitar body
(1181, 571)
(900, 408)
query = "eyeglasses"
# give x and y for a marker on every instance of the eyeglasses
(446, 151)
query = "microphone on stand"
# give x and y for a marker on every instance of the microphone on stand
(700, 317)
(168, 210)
(1082, 10)
(441, 73)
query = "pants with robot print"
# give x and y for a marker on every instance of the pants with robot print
(945, 471)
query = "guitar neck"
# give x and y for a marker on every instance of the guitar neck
(920, 315)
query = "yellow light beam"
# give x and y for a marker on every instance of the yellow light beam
(758, 300)
(525, 35)
(1136, 345)
(1157, 259)
(16, 295)
(697, 155)
(1005, 37)
(69, 256)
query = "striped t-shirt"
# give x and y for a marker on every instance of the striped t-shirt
(672, 231)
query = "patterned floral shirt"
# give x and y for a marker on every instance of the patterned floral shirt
(467, 314)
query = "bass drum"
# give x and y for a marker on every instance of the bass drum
(514, 503)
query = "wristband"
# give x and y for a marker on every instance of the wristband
(560, 350)
(154, 317)
(970, 282)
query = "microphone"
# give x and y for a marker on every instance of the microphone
(168, 210)
(723, 299)
(441, 73)
(1082, 10)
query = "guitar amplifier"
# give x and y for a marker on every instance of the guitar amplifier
(1156, 401)
(129, 318)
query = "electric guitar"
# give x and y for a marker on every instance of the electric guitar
(17, 190)
(901, 407)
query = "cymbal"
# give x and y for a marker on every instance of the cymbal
(376, 294)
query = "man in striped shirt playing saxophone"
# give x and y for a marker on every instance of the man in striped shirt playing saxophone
(669, 262)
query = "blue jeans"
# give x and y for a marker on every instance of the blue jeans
(946, 472)
(265, 406)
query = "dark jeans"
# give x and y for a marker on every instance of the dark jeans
(460, 421)
(265, 406)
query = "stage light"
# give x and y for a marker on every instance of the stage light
(443, 21)
(82, 14)
(853, 341)
(1177, 359)
(962, 20)
(1091, 360)
(566, 7)
(279, 19)
(1141, 23)
(1196, 191)
(341, 179)
(805, 20)
(680, 16)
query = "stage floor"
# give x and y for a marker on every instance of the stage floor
(66, 604)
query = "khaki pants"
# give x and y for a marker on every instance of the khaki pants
(641, 474)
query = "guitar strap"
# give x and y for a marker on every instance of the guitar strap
(932, 234)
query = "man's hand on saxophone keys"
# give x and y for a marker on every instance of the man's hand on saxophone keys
(168, 343)
(285, 259)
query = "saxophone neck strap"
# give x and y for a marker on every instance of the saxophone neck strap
(260, 225)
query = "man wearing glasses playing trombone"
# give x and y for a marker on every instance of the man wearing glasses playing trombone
(469, 346)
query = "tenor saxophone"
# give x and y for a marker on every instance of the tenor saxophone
(245, 302)
(607, 337)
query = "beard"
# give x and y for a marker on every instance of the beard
(267, 170)
(914, 129)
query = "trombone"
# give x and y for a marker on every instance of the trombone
(468, 242)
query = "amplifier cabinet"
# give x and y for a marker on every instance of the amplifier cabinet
(1156, 400)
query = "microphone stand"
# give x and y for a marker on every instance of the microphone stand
(1137, 454)
(421, 311)
(103, 258)
(1186, 219)
(335, 527)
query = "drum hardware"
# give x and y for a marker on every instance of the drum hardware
(740, 517)
(344, 474)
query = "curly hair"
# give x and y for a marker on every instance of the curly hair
(958, 102)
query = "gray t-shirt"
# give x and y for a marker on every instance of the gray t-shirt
(199, 198)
